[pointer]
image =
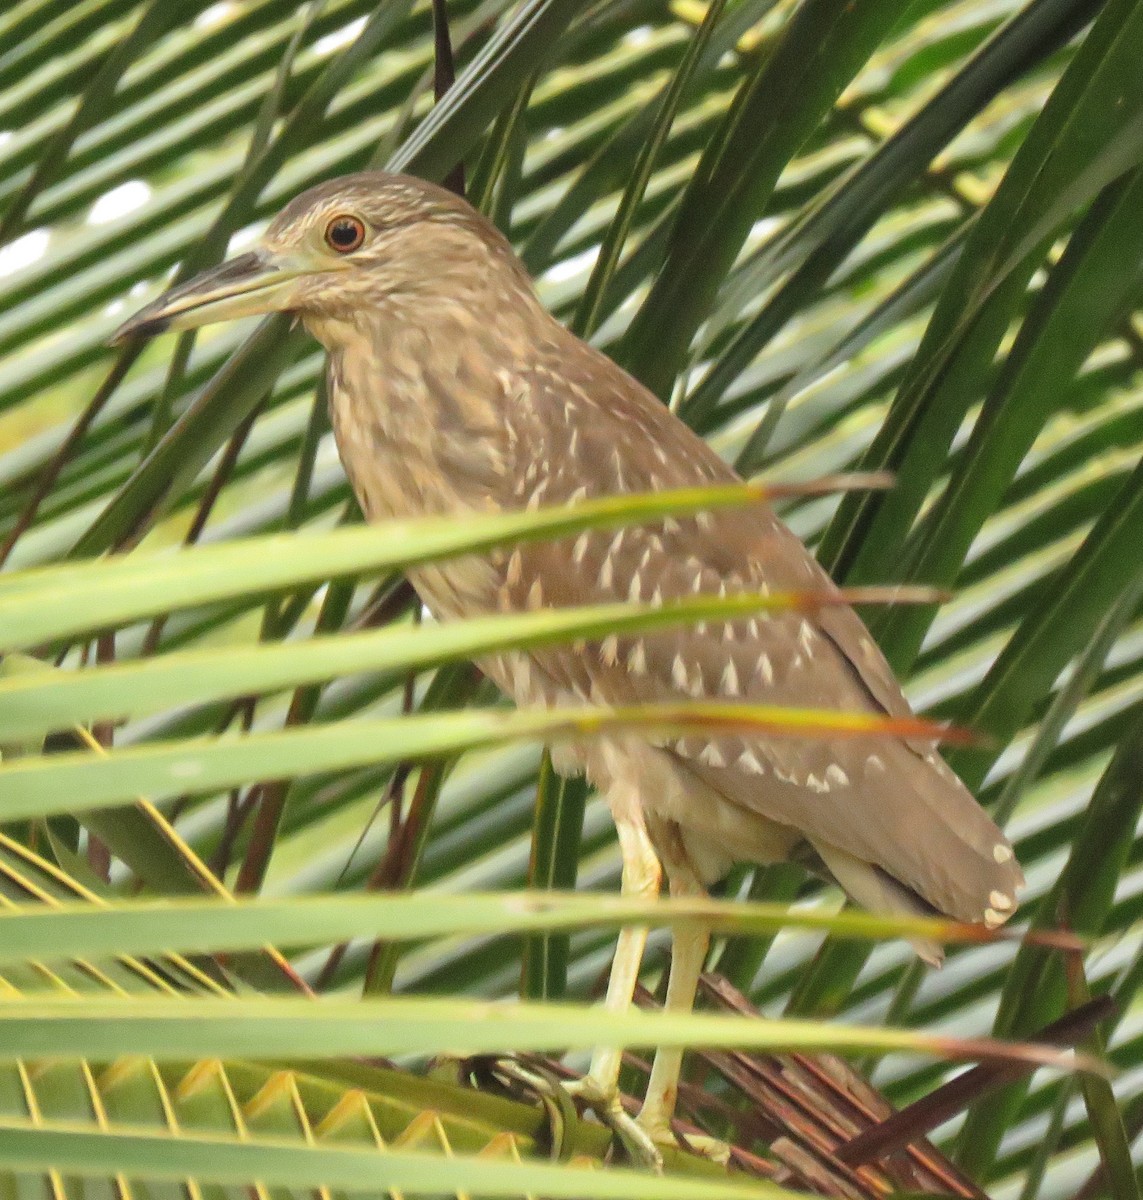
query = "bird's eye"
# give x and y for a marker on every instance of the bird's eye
(344, 234)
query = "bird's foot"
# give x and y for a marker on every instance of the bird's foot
(638, 1142)
(656, 1127)
(643, 1137)
(526, 1078)
(705, 1145)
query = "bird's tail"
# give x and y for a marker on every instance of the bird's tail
(880, 893)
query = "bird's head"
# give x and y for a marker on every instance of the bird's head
(346, 246)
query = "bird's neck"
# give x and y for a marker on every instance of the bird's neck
(421, 402)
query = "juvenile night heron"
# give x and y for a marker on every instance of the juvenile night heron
(452, 390)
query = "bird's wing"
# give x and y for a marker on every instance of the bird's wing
(884, 801)
(888, 803)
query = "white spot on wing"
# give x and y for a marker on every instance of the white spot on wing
(728, 684)
(535, 595)
(806, 638)
(835, 774)
(712, 756)
(537, 496)
(679, 672)
(748, 761)
(697, 688)
(609, 650)
(765, 669)
(1002, 853)
(637, 659)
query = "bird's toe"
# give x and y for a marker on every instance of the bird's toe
(658, 1130)
(640, 1144)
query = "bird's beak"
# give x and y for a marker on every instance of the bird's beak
(250, 285)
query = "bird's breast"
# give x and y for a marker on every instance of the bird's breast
(417, 433)
(403, 459)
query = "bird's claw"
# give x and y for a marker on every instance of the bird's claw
(640, 1144)
(643, 1138)
(708, 1147)
(527, 1078)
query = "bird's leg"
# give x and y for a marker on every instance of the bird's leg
(688, 954)
(642, 876)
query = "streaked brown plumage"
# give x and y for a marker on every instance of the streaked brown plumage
(453, 390)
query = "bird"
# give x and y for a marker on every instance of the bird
(453, 391)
